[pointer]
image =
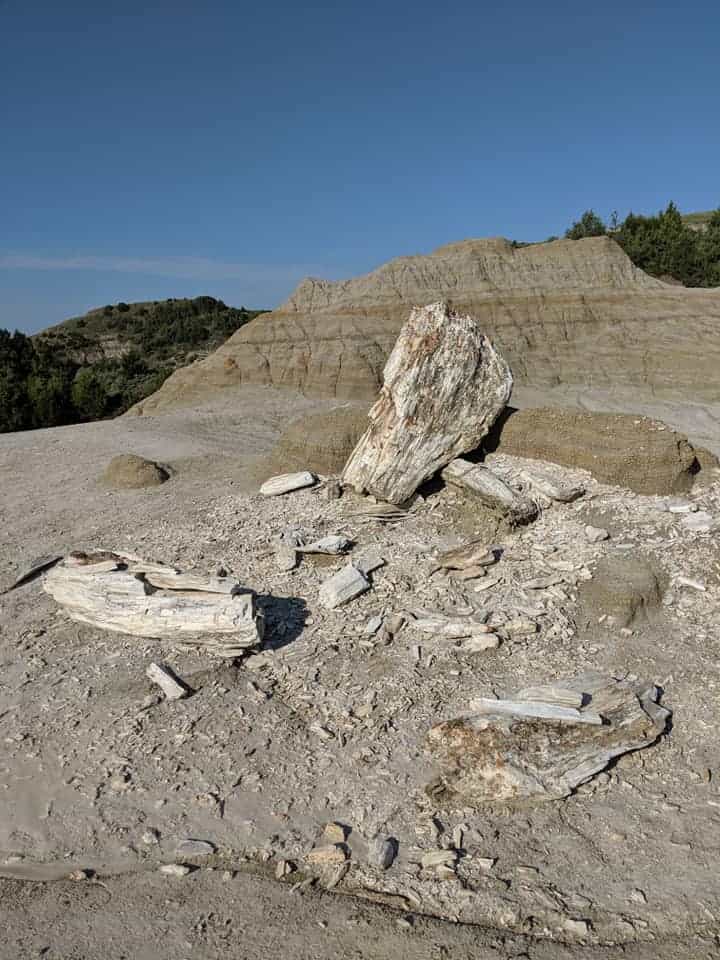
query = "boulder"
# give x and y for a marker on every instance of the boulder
(444, 386)
(321, 442)
(130, 472)
(635, 452)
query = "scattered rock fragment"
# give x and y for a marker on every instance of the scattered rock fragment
(468, 556)
(454, 628)
(332, 545)
(175, 869)
(333, 490)
(170, 684)
(381, 512)
(334, 833)
(195, 848)
(444, 386)
(490, 490)
(699, 522)
(283, 869)
(342, 587)
(287, 482)
(327, 854)
(516, 629)
(286, 558)
(544, 481)
(130, 472)
(368, 561)
(382, 852)
(528, 750)
(439, 858)
(596, 534)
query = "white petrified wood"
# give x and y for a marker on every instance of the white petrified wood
(444, 386)
(287, 482)
(534, 750)
(332, 545)
(453, 628)
(546, 481)
(490, 489)
(342, 587)
(126, 594)
(170, 685)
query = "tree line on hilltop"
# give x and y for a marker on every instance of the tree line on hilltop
(99, 365)
(666, 245)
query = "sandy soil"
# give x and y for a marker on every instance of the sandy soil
(328, 723)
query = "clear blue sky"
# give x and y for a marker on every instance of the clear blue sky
(172, 148)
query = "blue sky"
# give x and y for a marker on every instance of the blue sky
(165, 148)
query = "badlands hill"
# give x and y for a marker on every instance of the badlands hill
(568, 315)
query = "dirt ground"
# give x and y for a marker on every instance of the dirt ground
(328, 722)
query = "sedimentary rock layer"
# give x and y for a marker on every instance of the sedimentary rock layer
(561, 313)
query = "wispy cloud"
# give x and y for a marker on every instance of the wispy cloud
(183, 268)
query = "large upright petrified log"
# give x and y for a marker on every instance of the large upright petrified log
(444, 386)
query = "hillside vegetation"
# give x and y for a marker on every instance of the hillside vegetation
(98, 365)
(669, 245)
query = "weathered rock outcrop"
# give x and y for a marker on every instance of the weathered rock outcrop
(444, 386)
(566, 312)
(641, 454)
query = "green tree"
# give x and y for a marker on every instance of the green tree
(89, 394)
(589, 225)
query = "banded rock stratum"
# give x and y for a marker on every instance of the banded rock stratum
(564, 314)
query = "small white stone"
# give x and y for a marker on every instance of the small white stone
(382, 852)
(287, 482)
(596, 534)
(174, 870)
(194, 848)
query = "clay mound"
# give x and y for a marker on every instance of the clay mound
(130, 472)
(320, 442)
(567, 312)
(623, 590)
(634, 452)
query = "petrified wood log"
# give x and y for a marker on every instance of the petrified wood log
(444, 386)
(535, 750)
(490, 489)
(126, 594)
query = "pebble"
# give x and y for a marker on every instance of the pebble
(438, 858)
(330, 853)
(335, 833)
(195, 848)
(382, 852)
(174, 869)
(596, 534)
(373, 625)
(286, 559)
(700, 522)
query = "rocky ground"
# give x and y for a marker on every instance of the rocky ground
(327, 723)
